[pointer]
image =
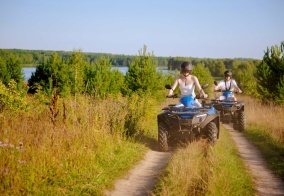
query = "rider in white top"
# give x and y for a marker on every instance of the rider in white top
(187, 83)
(186, 90)
(228, 84)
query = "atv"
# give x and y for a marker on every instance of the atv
(186, 122)
(231, 111)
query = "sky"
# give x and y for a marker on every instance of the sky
(169, 28)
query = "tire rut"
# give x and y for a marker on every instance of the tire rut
(266, 182)
(141, 180)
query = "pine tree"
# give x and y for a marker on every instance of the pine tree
(102, 80)
(270, 75)
(142, 76)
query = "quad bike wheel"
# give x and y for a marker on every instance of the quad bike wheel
(162, 138)
(241, 121)
(211, 130)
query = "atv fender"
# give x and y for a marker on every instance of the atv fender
(215, 119)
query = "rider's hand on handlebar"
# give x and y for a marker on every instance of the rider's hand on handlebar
(217, 90)
(205, 96)
(172, 96)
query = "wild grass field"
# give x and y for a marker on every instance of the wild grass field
(70, 147)
(81, 146)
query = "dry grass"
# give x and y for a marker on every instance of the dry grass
(266, 130)
(268, 117)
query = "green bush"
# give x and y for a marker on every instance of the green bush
(11, 98)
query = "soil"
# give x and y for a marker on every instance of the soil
(266, 183)
(141, 180)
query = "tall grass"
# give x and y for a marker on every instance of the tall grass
(199, 169)
(266, 116)
(266, 130)
(69, 148)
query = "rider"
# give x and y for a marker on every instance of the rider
(228, 84)
(187, 83)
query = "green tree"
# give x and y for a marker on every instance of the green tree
(52, 74)
(244, 74)
(142, 76)
(270, 75)
(14, 69)
(216, 67)
(4, 76)
(102, 80)
(77, 64)
(204, 76)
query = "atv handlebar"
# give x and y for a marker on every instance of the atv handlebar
(199, 97)
(173, 96)
(220, 90)
(176, 96)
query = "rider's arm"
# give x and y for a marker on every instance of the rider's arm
(200, 90)
(237, 89)
(218, 87)
(171, 91)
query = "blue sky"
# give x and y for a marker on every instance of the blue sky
(187, 28)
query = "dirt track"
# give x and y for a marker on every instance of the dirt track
(142, 178)
(266, 182)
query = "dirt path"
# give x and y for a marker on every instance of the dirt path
(266, 182)
(142, 178)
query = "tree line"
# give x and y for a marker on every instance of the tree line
(32, 58)
(35, 57)
(91, 73)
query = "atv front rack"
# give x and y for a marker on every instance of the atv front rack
(227, 105)
(202, 109)
(223, 101)
(186, 110)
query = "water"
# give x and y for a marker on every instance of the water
(123, 70)
(29, 70)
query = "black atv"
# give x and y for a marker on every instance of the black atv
(187, 122)
(230, 111)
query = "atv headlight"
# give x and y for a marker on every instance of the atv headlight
(199, 118)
